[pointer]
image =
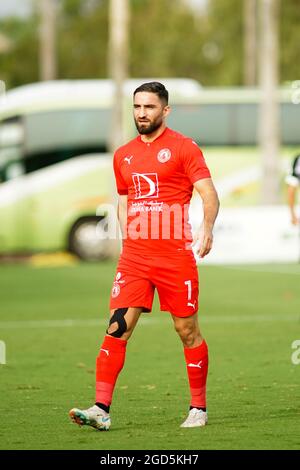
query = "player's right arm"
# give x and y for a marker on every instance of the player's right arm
(122, 192)
(122, 214)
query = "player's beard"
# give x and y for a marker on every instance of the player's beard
(148, 127)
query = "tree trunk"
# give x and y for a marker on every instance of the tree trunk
(250, 46)
(47, 32)
(118, 71)
(269, 109)
(118, 66)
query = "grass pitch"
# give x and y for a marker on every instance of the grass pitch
(52, 321)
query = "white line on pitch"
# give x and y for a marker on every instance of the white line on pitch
(147, 321)
(262, 270)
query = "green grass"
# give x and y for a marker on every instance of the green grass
(249, 316)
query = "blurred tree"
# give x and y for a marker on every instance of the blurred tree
(83, 39)
(226, 33)
(19, 65)
(269, 13)
(166, 39)
(250, 42)
(5, 44)
(119, 14)
(290, 40)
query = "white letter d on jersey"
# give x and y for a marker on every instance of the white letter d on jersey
(145, 185)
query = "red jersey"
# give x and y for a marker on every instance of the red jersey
(158, 178)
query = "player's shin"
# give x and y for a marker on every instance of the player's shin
(109, 364)
(197, 368)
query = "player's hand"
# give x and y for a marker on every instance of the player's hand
(204, 238)
(295, 220)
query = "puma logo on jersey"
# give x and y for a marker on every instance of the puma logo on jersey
(106, 351)
(190, 304)
(128, 159)
(195, 365)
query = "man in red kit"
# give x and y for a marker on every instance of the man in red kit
(155, 176)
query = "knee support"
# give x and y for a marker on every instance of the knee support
(118, 317)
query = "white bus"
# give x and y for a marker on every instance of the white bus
(53, 172)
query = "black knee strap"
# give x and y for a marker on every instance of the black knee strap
(118, 317)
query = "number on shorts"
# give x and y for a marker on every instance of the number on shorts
(189, 286)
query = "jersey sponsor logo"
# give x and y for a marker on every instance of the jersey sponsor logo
(164, 155)
(128, 159)
(146, 206)
(145, 185)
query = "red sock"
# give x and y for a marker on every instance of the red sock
(109, 364)
(197, 365)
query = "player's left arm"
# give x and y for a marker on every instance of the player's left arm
(209, 196)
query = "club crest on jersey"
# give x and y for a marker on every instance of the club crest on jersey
(145, 185)
(164, 155)
(115, 290)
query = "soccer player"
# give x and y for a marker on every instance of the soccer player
(155, 176)
(293, 181)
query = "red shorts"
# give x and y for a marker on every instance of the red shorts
(175, 276)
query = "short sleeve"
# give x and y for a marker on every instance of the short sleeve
(193, 162)
(293, 179)
(120, 183)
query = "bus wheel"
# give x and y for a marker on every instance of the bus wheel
(85, 239)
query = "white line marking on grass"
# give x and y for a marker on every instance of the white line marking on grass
(264, 269)
(251, 318)
(51, 323)
(147, 321)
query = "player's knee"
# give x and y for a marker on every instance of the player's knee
(184, 328)
(117, 324)
(188, 334)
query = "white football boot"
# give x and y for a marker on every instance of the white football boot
(94, 416)
(195, 418)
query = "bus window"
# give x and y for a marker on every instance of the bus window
(65, 128)
(56, 136)
(11, 148)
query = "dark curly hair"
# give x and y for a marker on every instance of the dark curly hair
(154, 87)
